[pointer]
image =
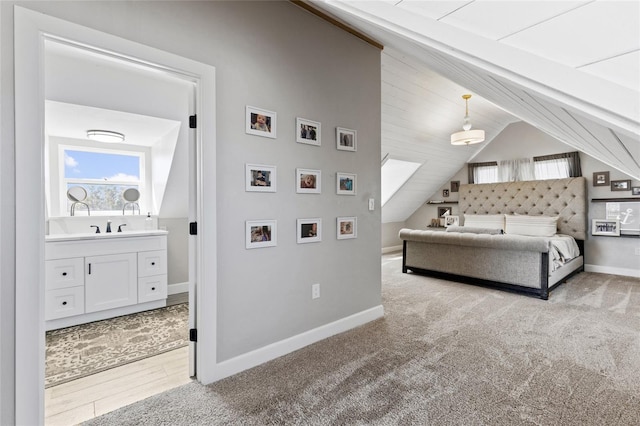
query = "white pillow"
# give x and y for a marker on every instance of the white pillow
(534, 226)
(493, 221)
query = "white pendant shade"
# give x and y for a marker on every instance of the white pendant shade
(467, 137)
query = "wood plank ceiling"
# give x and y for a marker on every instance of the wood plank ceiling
(569, 68)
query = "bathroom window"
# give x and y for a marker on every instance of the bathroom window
(104, 174)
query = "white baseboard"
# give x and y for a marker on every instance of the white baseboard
(283, 347)
(391, 249)
(610, 270)
(177, 288)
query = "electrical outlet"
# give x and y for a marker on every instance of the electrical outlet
(372, 204)
(315, 291)
(637, 252)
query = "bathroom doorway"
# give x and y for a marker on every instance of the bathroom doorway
(33, 31)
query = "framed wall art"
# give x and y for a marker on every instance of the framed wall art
(308, 181)
(260, 122)
(308, 132)
(345, 183)
(260, 233)
(635, 190)
(309, 230)
(451, 221)
(346, 139)
(260, 178)
(610, 227)
(621, 185)
(347, 227)
(445, 192)
(455, 185)
(601, 179)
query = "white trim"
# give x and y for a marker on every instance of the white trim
(31, 29)
(178, 288)
(391, 249)
(612, 270)
(275, 350)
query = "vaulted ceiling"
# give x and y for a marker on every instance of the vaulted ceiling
(569, 68)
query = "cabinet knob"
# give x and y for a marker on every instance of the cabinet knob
(153, 288)
(64, 274)
(64, 303)
(153, 263)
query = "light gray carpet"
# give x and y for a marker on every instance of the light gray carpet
(85, 349)
(444, 354)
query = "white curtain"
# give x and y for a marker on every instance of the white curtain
(485, 174)
(516, 170)
(557, 168)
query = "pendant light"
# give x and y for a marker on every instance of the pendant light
(467, 136)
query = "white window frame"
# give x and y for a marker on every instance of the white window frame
(64, 182)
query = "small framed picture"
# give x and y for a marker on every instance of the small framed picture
(308, 181)
(451, 221)
(609, 227)
(346, 139)
(307, 131)
(309, 230)
(260, 178)
(621, 185)
(601, 179)
(260, 122)
(635, 190)
(345, 183)
(455, 185)
(445, 192)
(347, 227)
(442, 211)
(261, 233)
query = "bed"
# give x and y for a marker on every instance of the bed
(539, 245)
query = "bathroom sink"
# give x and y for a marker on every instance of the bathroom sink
(103, 235)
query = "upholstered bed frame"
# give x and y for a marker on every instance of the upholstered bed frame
(512, 262)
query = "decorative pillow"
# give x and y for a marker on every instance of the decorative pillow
(534, 226)
(472, 230)
(493, 221)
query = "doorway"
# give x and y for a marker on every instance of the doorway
(31, 31)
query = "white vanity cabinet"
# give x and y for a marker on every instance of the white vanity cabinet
(98, 276)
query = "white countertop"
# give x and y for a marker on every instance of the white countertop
(104, 235)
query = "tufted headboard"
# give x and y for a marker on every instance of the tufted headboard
(566, 198)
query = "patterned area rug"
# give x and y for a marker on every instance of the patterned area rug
(86, 349)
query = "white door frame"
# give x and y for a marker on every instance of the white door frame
(31, 29)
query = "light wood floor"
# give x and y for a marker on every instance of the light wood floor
(83, 399)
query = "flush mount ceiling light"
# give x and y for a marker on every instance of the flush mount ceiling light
(467, 136)
(105, 136)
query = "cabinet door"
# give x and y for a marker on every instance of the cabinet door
(152, 263)
(110, 281)
(63, 302)
(152, 288)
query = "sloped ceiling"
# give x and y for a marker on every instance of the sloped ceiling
(570, 68)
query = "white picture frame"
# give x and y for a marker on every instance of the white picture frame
(609, 227)
(451, 221)
(254, 125)
(346, 227)
(309, 230)
(308, 181)
(346, 139)
(260, 178)
(346, 183)
(308, 132)
(266, 229)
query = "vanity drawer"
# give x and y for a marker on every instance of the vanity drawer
(152, 263)
(152, 288)
(64, 302)
(64, 273)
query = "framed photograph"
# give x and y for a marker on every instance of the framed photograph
(621, 185)
(307, 131)
(609, 227)
(261, 233)
(627, 213)
(445, 192)
(635, 190)
(451, 221)
(347, 227)
(260, 178)
(346, 139)
(601, 179)
(309, 230)
(260, 122)
(455, 185)
(308, 181)
(345, 183)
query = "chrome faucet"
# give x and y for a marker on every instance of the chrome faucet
(108, 226)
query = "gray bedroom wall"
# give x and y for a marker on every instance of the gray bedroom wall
(521, 140)
(276, 56)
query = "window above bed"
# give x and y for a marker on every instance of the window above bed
(556, 166)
